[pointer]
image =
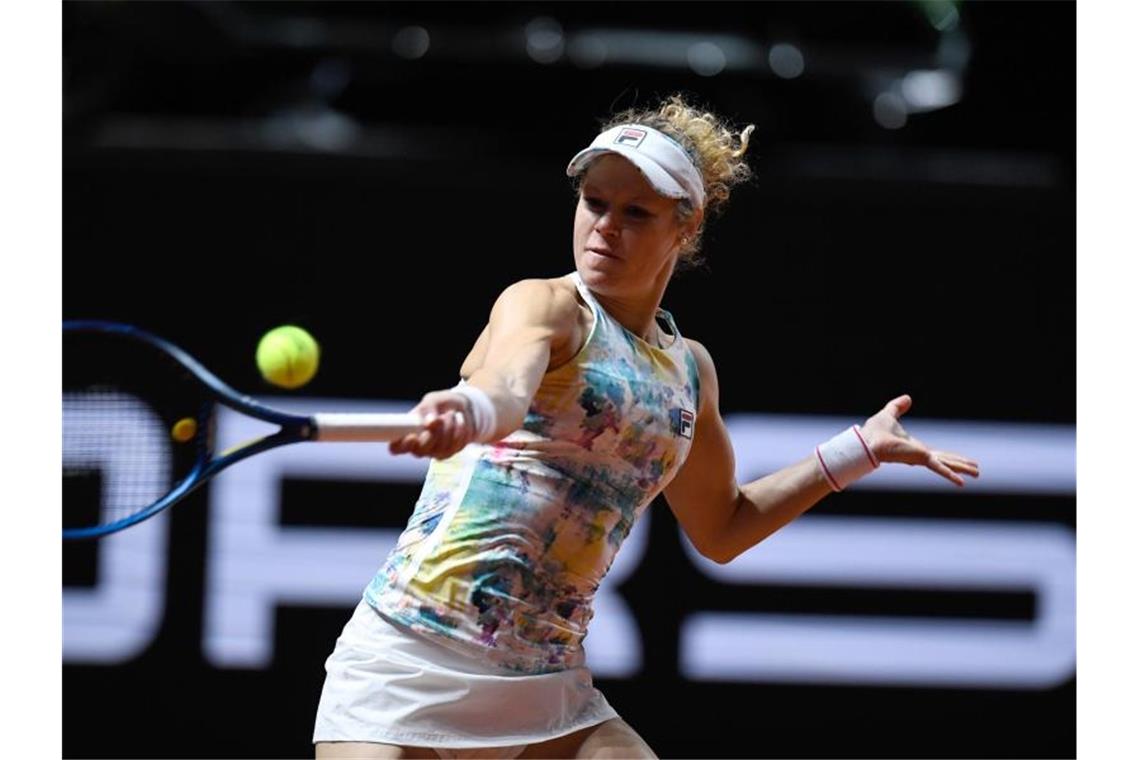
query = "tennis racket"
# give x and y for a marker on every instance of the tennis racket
(138, 426)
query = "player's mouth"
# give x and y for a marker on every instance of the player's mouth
(604, 252)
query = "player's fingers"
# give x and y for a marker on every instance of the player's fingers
(898, 406)
(936, 465)
(445, 428)
(956, 457)
(461, 432)
(959, 464)
(417, 444)
(444, 444)
(947, 455)
(404, 445)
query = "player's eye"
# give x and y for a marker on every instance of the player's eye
(637, 212)
(595, 204)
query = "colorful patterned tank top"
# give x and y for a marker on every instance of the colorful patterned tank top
(508, 541)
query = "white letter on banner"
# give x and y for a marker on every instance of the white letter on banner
(901, 553)
(119, 617)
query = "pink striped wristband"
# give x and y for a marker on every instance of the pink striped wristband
(845, 458)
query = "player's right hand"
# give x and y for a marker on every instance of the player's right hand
(447, 427)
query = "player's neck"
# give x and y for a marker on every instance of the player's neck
(636, 312)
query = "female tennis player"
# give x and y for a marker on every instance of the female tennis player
(580, 403)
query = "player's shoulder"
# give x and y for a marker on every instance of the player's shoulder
(701, 355)
(705, 366)
(556, 294)
(550, 299)
(706, 370)
(544, 287)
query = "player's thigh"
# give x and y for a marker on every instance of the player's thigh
(370, 751)
(613, 738)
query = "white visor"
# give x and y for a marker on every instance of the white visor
(656, 155)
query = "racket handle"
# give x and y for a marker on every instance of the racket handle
(365, 427)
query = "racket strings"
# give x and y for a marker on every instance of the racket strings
(122, 440)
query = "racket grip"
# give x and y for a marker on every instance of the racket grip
(365, 427)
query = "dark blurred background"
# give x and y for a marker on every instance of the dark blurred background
(378, 172)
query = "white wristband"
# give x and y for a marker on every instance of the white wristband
(845, 458)
(483, 417)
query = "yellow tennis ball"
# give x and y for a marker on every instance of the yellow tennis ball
(184, 429)
(288, 356)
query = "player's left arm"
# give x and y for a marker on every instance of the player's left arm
(721, 518)
(724, 519)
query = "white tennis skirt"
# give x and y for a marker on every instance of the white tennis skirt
(388, 684)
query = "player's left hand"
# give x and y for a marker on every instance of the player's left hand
(891, 443)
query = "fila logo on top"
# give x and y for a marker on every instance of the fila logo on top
(631, 137)
(682, 422)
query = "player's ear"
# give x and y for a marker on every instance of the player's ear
(692, 225)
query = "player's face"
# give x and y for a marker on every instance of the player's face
(626, 236)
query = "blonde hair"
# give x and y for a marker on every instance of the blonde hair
(716, 149)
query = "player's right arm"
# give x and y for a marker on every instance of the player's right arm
(531, 323)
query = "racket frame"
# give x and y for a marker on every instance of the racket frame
(294, 428)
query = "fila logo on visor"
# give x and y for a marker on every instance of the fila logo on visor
(682, 420)
(631, 137)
